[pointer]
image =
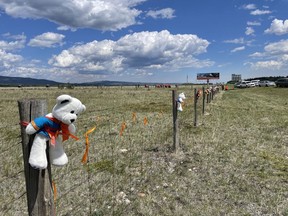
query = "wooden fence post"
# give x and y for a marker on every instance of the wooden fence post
(212, 94)
(195, 107)
(203, 102)
(175, 122)
(38, 182)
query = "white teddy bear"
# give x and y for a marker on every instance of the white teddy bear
(49, 127)
(180, 100)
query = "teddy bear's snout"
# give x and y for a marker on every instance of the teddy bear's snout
(72, 120)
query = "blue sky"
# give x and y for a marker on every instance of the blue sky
(143, 40)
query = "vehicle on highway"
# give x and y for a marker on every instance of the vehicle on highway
(283, 82)
(256, 82)
(244, 84)
(266, 83)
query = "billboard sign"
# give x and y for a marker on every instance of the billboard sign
(207, 76)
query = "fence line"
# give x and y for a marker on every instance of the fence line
(127, 139)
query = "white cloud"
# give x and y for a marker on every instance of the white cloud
(143, 50)
(257, 55)
(277, 48)
(48, 39)
(166, 13)
(66, 28)
(18, 43)
(260, 12)
(253, 23)
(237, 49)
(236, 41)
(249, 6)
(275, 56)
(98, 14)
(239, 41)
(278, 27)
(271, 65)
(249, 31)
(8, 60)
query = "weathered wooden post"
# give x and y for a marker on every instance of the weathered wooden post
(38, 182)
(195, 107)
(203, 101)
(212, 94)
(175, 122)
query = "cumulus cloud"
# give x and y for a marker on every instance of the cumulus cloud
(8, 60)
(275, 56)
(103, 15)
(48, 39)
(258, 12)
(141, 51)
(18, 42)
(277, 48)
(166, 13)
(278, 27)
(271, 65)
(237, 49)
(249, 31)
(12, 43)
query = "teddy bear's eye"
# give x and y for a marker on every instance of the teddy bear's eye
(72, 111)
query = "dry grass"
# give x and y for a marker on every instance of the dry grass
(234, 163)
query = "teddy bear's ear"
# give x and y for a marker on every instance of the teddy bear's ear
(83, 108)
(63, 99)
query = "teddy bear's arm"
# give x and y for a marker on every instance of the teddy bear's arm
(36, 125)
(30, 129)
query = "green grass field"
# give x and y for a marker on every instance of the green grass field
(235, 162)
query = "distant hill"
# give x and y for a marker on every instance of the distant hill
(112, 83)
(20, 81)
(16, 81)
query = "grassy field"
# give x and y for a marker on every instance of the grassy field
(235, 162)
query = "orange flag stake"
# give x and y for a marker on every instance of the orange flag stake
(85, 156)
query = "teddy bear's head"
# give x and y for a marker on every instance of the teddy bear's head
(67, 109)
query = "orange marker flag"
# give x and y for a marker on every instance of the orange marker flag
(145, 121)
(85, 156)
(134, 117)
(123, 126)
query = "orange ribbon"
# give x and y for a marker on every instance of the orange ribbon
(54, 190)
(145, 121)
(123, 126)
(85, 156)
(134, 117)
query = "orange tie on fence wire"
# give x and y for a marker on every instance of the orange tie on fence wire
(145, 121)
(85, 156)
(123, 126)
(134, 117)
(54, 191)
